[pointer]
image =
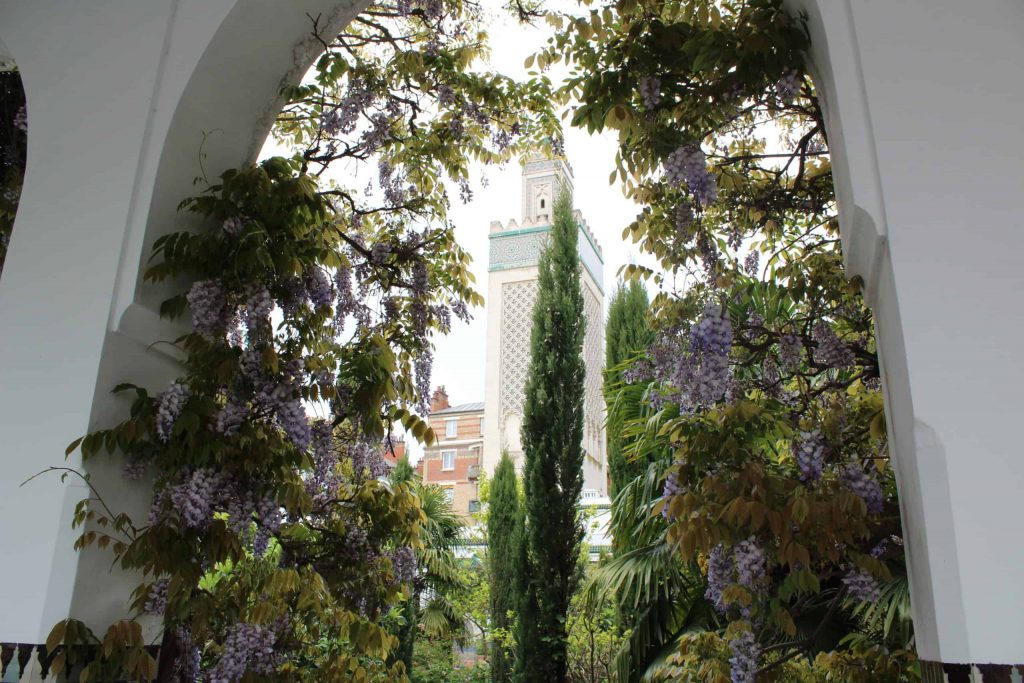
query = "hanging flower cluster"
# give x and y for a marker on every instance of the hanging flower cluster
(273, 541)
(758, 399)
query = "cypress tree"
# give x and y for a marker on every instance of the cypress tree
(405, 474)
(626, 334)
(503, 529)
(552, 432)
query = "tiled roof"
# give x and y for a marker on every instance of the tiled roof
(461, 408)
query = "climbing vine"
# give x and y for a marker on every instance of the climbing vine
(274, 548)
(762, 385)
(13, 141)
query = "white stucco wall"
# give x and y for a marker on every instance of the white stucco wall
(119, 94)
(924, 111)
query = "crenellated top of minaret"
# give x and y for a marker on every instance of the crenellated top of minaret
(519, 244)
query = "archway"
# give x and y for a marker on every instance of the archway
(923, 139)
(120, 96)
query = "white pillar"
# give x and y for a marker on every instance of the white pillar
(924, 106)
(119, 94)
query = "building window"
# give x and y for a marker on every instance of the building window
(451, 428)
(542, 203)
(449, 493)
(447, 460)
(474, 506)
(481, 426)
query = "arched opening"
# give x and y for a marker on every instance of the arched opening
(217, 75)
(910, 169)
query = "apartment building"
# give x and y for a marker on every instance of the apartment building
(453, 461)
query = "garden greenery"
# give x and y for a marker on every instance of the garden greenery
(761, 387)
(13, 142)
(768, 517)
(275, 549)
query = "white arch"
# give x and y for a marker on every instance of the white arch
(924, 108)
(120, 93)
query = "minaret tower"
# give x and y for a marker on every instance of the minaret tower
(512, 290)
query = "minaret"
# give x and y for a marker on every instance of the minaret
(512, 289)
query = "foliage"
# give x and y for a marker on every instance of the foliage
(762, 381)
(435, 663)
(626, 336)
(593, 638)
(503, 523)
(658, 598)
(274, 550)
(13, 141)
(474, 603)
(552, 432)
(434, 571)
(438, 577)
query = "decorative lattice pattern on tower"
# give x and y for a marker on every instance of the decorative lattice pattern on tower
(517, 299)
(593, 358)
(517, 250)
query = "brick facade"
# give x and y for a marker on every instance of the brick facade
(465, 443)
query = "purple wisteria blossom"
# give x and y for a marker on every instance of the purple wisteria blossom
(864, 485)
(831, 351)
(790, 348)
(195, 497)
(21, 119)
(367, 460)
(258, 306)
(291, 416)
(751, 263)
(233, 226)
(156, 600)
(319, 288)
(810, 455)
(861, 585)
(721, 567)
(134, 469)
(186, 666)
(210, 313)
(247, 647)
(688, 165)
(232, 416)
(670, 489)
(750, 563)
(649, 88)
(789, 86)
(691, 366)
(745, 653)
(172, 401)
(403, 564)
(295, 295)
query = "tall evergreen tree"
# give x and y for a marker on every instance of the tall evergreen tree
(626, 335)
(553, 470)
(503, 529)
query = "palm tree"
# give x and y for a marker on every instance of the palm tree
(659, 599)
(437, 581)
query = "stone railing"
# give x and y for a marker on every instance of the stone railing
(24, 662)
(30, 663)
(934, 672)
